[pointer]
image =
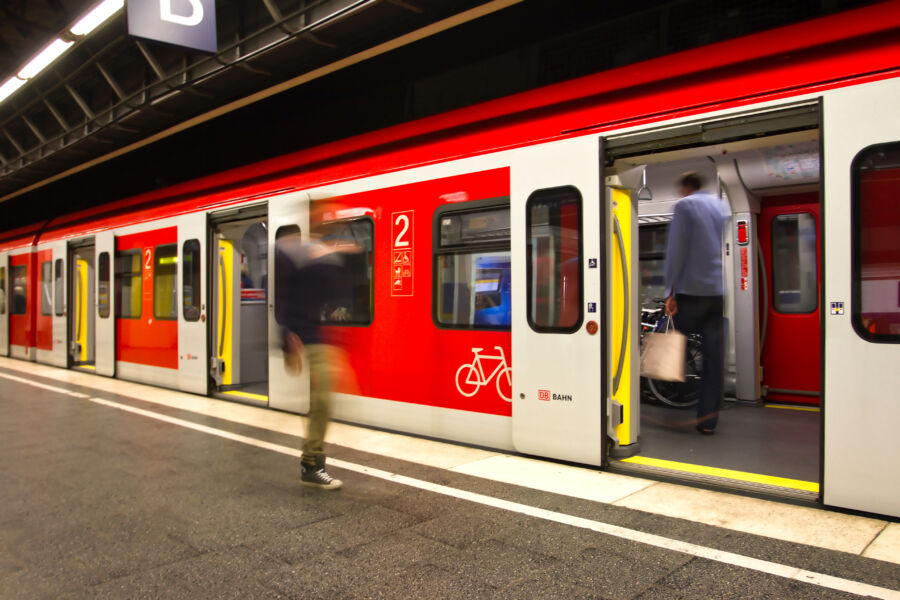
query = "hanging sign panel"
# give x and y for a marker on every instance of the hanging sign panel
(187, 23)
(402, 253)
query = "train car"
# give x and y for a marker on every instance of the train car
(498, 279)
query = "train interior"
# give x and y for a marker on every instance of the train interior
(81, 302)
(239, 344)
(770, 424)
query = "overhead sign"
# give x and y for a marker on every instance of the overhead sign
(187, 23)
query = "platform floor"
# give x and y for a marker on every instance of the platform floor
(110, 489)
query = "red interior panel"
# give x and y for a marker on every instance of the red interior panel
(791, 357)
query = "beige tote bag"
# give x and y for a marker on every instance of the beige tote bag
(662, 356)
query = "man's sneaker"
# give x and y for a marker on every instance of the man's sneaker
(315, 475)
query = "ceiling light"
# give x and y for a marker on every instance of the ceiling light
(10, 86)
(42, 60)
(98, 15)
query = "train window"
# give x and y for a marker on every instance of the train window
(190, 280)
(128, 284)
(652, 262)
(103, 285)
(876, 243)
(472, 283)
(58, 289)
(2, 290)
(355, 239)
(554, 260)
(794, 267)
(165, 268)
(19, 277)
(46, 288)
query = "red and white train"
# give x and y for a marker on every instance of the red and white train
(507, 250)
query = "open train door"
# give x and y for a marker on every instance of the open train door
(288, 214)
(622, 312)
(82, 315)
(861, 218)
(192, 299)
(4, 305)
(105, 323)
(558, 346)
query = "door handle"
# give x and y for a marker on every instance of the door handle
(617, 231)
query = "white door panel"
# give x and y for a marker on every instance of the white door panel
(105, 309)
(5, 287)
(192, 298)
(286, 392)
(557, 391)
(861, 379)
(56, 295)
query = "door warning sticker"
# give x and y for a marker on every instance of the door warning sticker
(402, 253)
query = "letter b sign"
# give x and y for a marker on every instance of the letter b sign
(188, 23)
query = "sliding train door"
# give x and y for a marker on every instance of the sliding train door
(4, 305)
(21, 303)
(861, 219)
(51, 316)
(192, 299)
(238, 315)
(559, 359)
(790, 311)
(288, 215)
(105, 305)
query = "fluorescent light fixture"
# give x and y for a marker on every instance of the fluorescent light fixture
(93, 19)
(43, 60)
(98, 15)
(10, 86)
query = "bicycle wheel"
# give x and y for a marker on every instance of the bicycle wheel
(467, 380)
(504, 384)
(681, 394)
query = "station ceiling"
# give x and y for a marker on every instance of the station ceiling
(111, 90)
(117, 116)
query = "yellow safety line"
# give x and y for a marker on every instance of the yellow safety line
(796, 484)
(91, 367)
(247, 395)
(806, 408)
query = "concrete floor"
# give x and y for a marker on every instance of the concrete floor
(192, 497)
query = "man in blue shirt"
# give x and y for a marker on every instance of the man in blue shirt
(694, 287)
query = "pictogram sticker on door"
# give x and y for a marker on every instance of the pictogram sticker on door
(402, 253)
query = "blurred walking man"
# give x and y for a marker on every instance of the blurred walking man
(313, 289)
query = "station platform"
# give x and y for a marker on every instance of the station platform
(111, 489)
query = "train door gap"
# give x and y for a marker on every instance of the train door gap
(770, 181)
(81, 302)
(238, 317)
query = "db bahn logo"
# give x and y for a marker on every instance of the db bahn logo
(547, 396)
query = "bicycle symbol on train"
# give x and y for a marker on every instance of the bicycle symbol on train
(471, 377)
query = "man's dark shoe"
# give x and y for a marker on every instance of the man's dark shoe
(314, 475)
